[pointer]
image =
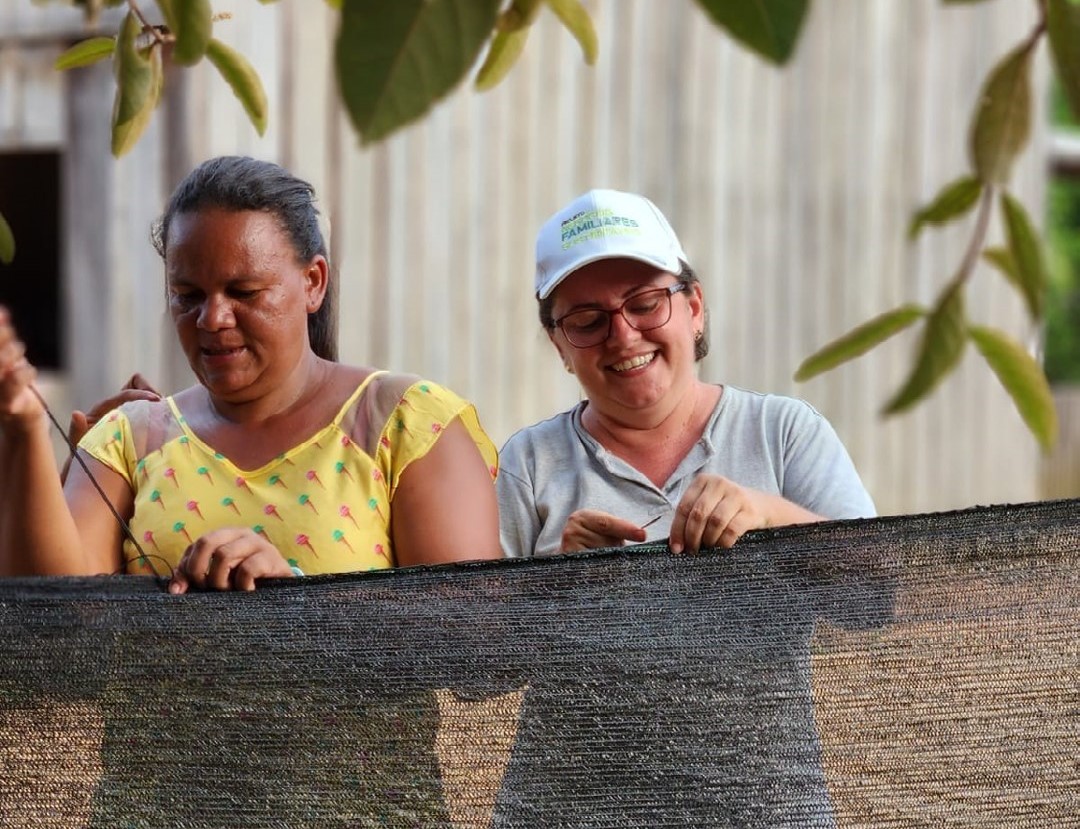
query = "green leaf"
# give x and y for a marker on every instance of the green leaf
(859, 340)
(7, 242)
(1063, 28)
(954, 200)
(395, 60)
(192, 23)
(125, 134)
(244, 80)
(1027, 254)
(941, 348)
(1003, 260)
(506, 48)
(1023, 379)
(769, 27)
(131, 67)
(518, 15)
(86, 52)
(575, 18)
(1002, 121)
(139, 79)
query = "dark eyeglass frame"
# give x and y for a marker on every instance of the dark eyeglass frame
(668, 291)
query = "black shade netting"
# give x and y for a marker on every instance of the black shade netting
(895, 672)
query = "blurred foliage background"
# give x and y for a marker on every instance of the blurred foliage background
(1062, 350)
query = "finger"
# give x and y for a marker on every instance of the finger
(243, 577)
(589, 529)
(581, 539)
(717, 525)
(7, 330)
(265, 564)
(696, 519)
(139, 382)
(78, 426)
(707, 515)
(20, 406)
(735, 529)
(178, 583)
(228, 556)
(677, 537)
(219, 571)
(606, 525)
(14, 365)
(127, 395)
(12, 348)
(750, 516)
(194, 564)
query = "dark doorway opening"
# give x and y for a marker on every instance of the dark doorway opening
(30, 287)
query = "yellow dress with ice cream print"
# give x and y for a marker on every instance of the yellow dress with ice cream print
(325, 504)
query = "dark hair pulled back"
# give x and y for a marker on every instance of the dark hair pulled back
(240, 183)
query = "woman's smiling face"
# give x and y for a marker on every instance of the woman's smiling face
(631, 371)
(239, 299)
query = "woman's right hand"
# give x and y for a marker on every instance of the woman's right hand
(589, 529)
(231, 558)
(20, 408)
(136, 388)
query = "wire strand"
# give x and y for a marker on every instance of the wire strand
(119, 519)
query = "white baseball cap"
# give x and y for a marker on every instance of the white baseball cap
(604, 224)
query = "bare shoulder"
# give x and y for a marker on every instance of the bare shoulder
(345, 379)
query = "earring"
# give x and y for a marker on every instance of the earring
(698, 336)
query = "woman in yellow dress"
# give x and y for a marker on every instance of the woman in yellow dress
(280, 459)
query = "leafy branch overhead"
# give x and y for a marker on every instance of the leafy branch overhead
(395, 60)
(138, 52)
(1000, 128)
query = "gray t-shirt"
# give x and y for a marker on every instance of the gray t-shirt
(775, 444)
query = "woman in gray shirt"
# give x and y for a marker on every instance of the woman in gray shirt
(652, 444)
(654, 453)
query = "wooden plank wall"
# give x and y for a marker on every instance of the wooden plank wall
(791, 189)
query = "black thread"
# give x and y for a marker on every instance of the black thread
(119, 519)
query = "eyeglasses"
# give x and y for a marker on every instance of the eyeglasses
(643, 312)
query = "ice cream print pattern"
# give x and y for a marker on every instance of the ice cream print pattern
(594, 224)
(325, 504)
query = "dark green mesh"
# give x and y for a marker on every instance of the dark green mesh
(898, 672)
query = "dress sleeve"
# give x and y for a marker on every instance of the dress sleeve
(422, 413)
(110, 441)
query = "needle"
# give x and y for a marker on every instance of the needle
(652, 520)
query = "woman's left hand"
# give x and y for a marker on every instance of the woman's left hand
(228, 559)
(715, 512)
